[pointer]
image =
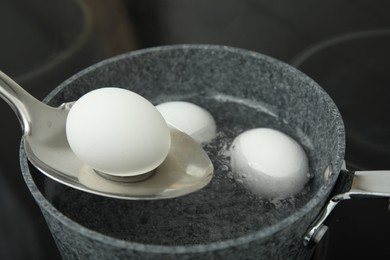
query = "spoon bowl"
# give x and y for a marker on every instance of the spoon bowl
(186, 169)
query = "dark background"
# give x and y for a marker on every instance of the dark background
(342, 44)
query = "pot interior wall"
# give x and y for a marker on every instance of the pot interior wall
(242, 90)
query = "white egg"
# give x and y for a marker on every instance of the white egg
(117, 132)
(190, 119)
(270, 163)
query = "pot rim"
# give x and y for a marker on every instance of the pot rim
(319, 196)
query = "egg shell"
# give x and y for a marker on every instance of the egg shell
(269, 163)
(189, 118)
(117, 132)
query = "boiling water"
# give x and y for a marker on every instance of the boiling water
(222, 210)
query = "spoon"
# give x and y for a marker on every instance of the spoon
(186, 169)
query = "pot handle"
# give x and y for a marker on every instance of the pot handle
(359, 184)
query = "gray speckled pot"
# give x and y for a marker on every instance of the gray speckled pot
(242, 90)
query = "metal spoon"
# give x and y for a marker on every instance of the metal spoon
(186, 169)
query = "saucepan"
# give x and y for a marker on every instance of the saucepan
(242, 90)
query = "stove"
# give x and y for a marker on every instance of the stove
(341, 44)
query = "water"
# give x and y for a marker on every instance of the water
(224, 209)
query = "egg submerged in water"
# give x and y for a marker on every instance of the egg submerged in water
(117, 132)
(189, 118)
(269, 163)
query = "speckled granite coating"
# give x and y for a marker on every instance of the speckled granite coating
(242, 90)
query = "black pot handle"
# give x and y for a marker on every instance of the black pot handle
(349, 185)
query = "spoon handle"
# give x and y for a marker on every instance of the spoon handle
(21, 102)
